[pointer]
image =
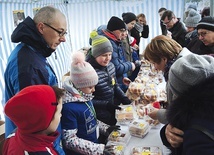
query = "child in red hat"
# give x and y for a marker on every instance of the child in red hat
(36, 111)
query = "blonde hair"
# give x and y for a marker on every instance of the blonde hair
(161, 46)
(141, 15)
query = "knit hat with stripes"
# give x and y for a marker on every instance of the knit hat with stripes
(82, 74)
(100, 44)
(206, 23)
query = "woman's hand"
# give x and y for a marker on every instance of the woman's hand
(174, 136)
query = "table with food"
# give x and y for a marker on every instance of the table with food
(139, 134)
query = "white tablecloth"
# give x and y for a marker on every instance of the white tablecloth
(151, 139)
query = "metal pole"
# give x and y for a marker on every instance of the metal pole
(212, 8)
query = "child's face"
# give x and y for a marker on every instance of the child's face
(56, 119)
(104, 59)
(88, 90)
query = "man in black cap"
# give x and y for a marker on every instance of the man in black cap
(204, 43)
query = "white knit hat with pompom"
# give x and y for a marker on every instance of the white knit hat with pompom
(82, 73)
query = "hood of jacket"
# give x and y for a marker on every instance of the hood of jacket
(26, 32)
(73, 94)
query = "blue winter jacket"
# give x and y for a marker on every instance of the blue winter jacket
(27, 65)
(122, 66)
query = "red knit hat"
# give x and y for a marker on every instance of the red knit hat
(32, 109)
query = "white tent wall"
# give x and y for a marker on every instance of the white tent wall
(83, 16)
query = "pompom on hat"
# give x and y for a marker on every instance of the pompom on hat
(128, 17)
(192, 6)
(193, 18)
(189, 71)
(115, 23)
(100, 44)
(32, 109)
(206, 23)
(82, 73)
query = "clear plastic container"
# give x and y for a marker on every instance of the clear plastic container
(115, 148)
(119, 136)
(139, 128)
(146, 150)
(125, 115)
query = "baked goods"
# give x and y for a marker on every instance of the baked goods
(139, 128)
(136, 88)
(125, 115)
(146, 150)
(145, 86)
(114, 148)
(119, 136)
(142, 112)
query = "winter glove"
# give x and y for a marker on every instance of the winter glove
(108, 150)
(137, 63)
(111, 106)
(112, 128)
(126, 101)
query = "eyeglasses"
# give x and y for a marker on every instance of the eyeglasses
(61, 33)
(202, 34)
(122, 30)
(167, 22)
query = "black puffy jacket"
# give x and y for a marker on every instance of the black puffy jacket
(107, 92)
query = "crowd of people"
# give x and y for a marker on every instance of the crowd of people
(42, 118)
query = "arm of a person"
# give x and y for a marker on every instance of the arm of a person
(32, 75)
(120, 66)
(121, 96)
(159, 114)
(70, 139)
(145, 32)
(100, 104)
(103, 127)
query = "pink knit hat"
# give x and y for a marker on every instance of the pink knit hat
(32, 109)
(82, 73)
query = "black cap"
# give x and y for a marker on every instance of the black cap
(128, 17)
(206, 23)
(115, 23)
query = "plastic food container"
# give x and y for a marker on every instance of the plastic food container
(139, 128)
(146, 150)
(125, 115)
(115, 148)
(119, 136)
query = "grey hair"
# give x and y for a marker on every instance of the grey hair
(47, 15)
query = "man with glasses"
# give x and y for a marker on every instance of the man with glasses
(175, 26)
(204, 43)
(27, 65)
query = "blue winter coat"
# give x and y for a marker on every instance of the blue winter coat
(27, 64)
(122, 66)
